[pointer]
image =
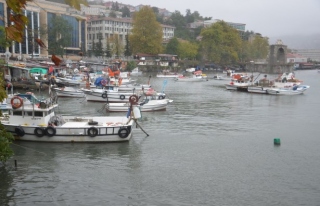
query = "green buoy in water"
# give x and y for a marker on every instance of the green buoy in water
(276, 141)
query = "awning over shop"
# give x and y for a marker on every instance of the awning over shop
(38, 70)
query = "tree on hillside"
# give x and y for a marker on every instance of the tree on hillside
(115, 6)
(116, 45)
(113, 14)
(58, 38)
(172, 46)
(98, 46)
(108, 48)
(125, 12)
(3, 41)
(179, 22)
(259, 47)
(146, 36)
(127, 49)
(220, 43)
(189, 17)
(187, 50)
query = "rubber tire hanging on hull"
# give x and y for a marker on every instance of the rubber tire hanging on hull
(50, 131)
(92, 131)
(19, 131)
(104, 95)
(39, 132)
(123, 132)
(122, 97)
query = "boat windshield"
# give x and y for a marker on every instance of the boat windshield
(30, 97)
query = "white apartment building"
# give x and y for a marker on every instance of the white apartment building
(312, 54)
(98, 10)
(108, 26)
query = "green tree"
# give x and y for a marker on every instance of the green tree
(93, 47)
(126, 12)
(117, 45)
(98, 47)
(146, 36)
(259, 47)
(131, 65)
(189, 17)
(127, 49)
(172, 46)
(6, 139)
(115, 6)
(187, 50)
(3, 41)
(113, 14)
(58, 38)
(220, 43)
(108, 48)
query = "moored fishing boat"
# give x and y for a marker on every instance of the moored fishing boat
(146, 104)
(197, 76)
(69, 92)
(297, 89)
(31, 119)
(168, 74)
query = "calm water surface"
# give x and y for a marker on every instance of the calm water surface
(211, 147)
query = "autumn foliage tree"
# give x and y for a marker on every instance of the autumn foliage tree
(220, 43)
(146, 36)
(187, 50)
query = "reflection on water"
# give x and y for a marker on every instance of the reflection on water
(210, 147)
(7, 192)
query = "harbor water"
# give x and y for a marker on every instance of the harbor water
(210, 147)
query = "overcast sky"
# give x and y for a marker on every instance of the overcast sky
(271, 18)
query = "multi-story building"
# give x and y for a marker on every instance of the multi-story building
(99, 10)
(39, 13)
(311, 54)
(108, 27)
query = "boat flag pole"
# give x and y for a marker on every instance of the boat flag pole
(164, 85)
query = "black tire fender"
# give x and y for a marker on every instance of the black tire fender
(104, 95)
(122, 97)
(161, 97)
(39, 132)
(123, 132)
(92, 131)
(50, 131)
(19, 131)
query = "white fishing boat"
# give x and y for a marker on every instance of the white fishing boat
(261, 86)
(168, 74)
(197, 76)
(107, 94)
(131, 87)
(69, 92)
(112, 94)
(147, 104)
(30, 119)
(297, 89)
(135, 72)
(239, 85)
(218, 77)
